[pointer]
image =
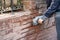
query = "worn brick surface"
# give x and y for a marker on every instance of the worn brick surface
(18, 26)
(29, 4)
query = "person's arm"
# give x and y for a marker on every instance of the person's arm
(53, 7)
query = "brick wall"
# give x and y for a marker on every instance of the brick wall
(29, 4)
(19, 26)
(32, 4)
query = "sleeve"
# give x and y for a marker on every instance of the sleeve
(53, 7)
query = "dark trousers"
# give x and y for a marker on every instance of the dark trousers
(58, 25)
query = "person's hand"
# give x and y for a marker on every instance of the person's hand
(39, 20)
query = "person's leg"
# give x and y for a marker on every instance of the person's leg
(58, 25)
